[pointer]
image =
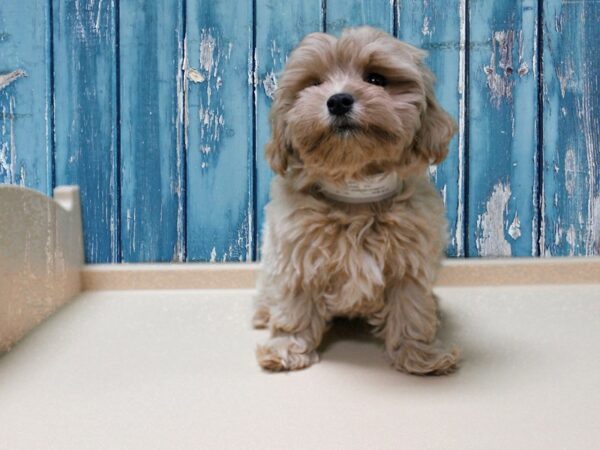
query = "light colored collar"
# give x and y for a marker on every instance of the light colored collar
(373, 188)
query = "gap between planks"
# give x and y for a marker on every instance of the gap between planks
(471, 272)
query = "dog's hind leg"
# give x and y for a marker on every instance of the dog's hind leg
(296, 332)
(408, 326)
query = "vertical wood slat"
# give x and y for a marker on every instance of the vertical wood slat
(86, 117)
(439, 31)
(503, 191)
(219, 114)
(151, 142)
(347, 13)
(571, 102)
(25, 95)
(279, 28)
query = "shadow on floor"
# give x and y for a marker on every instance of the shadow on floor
(350, 341)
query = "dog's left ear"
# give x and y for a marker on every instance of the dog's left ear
(277, 150)
(437, 127)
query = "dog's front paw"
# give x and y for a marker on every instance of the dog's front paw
(285, 353)
(420, 358)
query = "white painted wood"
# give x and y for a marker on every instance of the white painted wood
(41, 254)
(455, 272)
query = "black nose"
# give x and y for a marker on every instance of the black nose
(340, 104)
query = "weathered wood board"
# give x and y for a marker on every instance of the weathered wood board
(26, 95)
(571, 129)
(502, 138)
(159, 112)
(151, 132)
(86, 117)
(219, 119)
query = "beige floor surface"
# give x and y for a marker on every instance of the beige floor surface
(175, 369)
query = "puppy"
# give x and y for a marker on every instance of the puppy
(354, 227)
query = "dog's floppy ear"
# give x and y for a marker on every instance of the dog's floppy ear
(277, 149)
(437, 127)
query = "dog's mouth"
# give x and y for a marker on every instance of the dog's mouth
(345, 127)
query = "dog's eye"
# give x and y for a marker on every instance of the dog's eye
(315, 82)
(376, 79)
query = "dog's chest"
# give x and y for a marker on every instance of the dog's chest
(346, 260)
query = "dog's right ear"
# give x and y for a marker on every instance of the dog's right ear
(277, 150)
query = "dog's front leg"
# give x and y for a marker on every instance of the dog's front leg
(409, 329)
(296, 332)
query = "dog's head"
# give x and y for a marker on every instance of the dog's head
(361, 102)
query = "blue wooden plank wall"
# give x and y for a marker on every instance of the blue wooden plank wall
(159, 111)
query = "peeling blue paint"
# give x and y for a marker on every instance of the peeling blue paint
(160, 113)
